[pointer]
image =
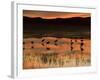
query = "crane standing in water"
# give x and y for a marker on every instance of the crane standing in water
(71, 48)
(56, 42)
(81, 48)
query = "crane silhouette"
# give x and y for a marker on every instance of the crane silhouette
(56, 42)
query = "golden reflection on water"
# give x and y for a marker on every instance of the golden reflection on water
(50, 52)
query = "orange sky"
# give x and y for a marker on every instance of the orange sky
(51, 15)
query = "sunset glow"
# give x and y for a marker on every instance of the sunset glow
(51, 15)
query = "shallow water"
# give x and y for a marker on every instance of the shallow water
(50, 52)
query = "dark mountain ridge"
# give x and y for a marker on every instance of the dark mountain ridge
(58, 23)
(52, 26)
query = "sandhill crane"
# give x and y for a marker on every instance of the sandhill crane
(32, 42)
(56, 42)
(42, 44)
(81, 40)
(48, 48)
(82, 49)
(75, 39)
(71, 48)
(32, 47)
(72, 43)
(81, 45)
(43, 40)
(48, 42)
